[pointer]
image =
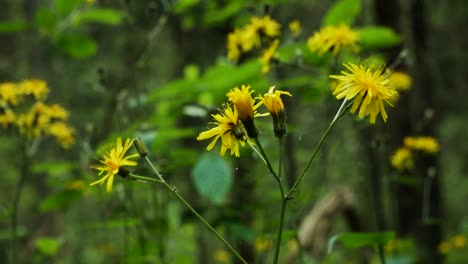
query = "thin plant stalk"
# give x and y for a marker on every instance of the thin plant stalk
(184, 202)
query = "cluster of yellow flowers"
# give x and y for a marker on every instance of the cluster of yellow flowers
(260, 31)
(333, 38)
(403, 159)
(39, 118)
(455, 242)
(234, 124)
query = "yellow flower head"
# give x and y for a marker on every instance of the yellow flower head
(274, 104)
(262, 245)
(9, 94)
(234, 45)
(391, 245)
(112, 162)
(333, 37)
(459, 241)
(250, 37)
(228, 128)
(428, 145)
(8, 117)
(269, 54)
(221, 256)
(63, 133)
(401, 81)
(369, 87)
(246, 108)
(295, 27)
(37, 88)
(444, 247)
(270, 28)
(402, 159)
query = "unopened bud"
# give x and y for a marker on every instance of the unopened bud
(141, 147)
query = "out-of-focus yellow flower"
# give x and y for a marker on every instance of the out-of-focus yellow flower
(425, 144)
(333, 38)
(400, 81)
(444, 247)
(9, 94)
(90, 2)
(37, 88)
(402, 159)
(63, 133)
(113, 161)
(271, 28)
(234, 45)
(295, 27)
(391, 245)
(76, 185)
(459, 241)
(8, 117)
(368, 87)
(262, 245)
(269, 54)
(228, 128)
(221, 256)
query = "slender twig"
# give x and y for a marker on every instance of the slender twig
(284, 200)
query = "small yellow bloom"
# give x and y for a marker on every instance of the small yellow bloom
(37, 88)
(9, 94)
(262, 245)
(402, 159)
(228, 128)
(271, 28)
(246, 108)
(269, 54)
(459, 241)
(333, 38)
(426, 144)
(391, 246)
(63, 133)
(221, 256)
(8, 117)
(401, 81)
(234, 45)
(250, 37)
(295, 27)
(272, 100)
(444, 247)
(113, 161)
(369, 87)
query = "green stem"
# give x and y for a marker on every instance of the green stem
(183, 201)
(267, 162)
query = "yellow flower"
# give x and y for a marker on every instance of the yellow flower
(369, 87)
(262, 245)
(37, 88)
(295, 27)
(250, 37)
(273, 102)
(428, 145)
(7, 118)
(268, 54)
(228, 128)
(246, 108)
(9, 94)
(271, 28)
(444, 247)
(459, 241)
(333, 37)
(391, 245)
(113, 161)
(62, 132)
(401, 81)
(234, 44)
(402, 159)
(221, 256)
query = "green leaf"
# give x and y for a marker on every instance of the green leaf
(59, 200)
(64, 7)
(45, 20)
(13, 26)
(342, 12)
(183, 5)
(107, 16)
(48, 245)
(355, 240)
(378, 37)
(216, 16)
(53, 168)
(212, 176)
(78, 46)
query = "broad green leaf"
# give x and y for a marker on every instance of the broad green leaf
(212, 176)
(47, 245)
(13, 26)
(216, 16)
(78, 46)
(107, 16)
(342, 12)
(59, 200)
(191, 72)
(45, 20)
(355, 240)
(64, 7)
(183, 5)
(378, 37)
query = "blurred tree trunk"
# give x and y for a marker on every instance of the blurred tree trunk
(413, 116)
